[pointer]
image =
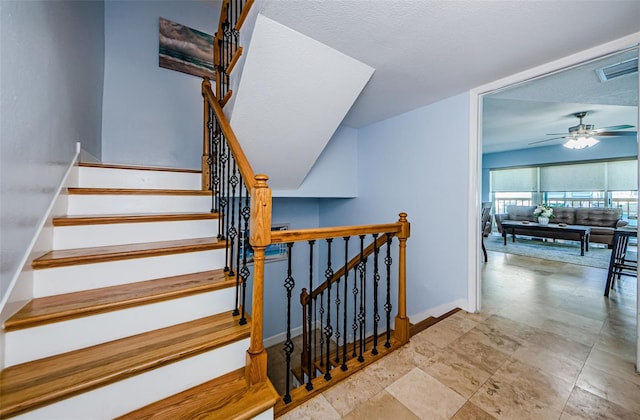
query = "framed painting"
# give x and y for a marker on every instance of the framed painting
(185, 49)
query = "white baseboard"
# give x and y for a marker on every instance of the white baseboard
(438, 310)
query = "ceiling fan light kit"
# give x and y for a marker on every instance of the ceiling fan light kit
(580, 142)
(584, 135)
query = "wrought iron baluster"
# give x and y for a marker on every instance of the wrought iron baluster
(376, 281)
(289, 284)
(215, 171)
(346, 300)
(387, 304)
(309, 385)
(315, 334)
(228, 216)
(361, 313)
(354, 325)
(222, 189)
(233, 231)
(321, 298)
(244, 270)
(210, 125)
(328, 329)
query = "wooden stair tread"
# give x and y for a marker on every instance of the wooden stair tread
(226, 397)
(41, 382)
(67, 306)
(135, 191)
(137, 168)
(77, 256)
(80, 220)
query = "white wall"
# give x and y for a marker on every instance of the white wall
(152, 115)
(335, 173)
(418, 163)
(51, 81)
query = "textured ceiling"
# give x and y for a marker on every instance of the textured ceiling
(425, 51)
(526, 113)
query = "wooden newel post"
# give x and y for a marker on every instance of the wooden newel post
(260, 231)
(206, 151)
(402, 321)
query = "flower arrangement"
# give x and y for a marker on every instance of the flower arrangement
(544, 210)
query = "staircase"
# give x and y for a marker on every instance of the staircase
(133, 313)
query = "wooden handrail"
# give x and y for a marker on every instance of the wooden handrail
(241, 159)
(234, 60)
(340, 273)
(243, 14)
(295, 235)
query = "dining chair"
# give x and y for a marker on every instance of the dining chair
(623, 262)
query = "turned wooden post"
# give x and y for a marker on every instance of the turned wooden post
(260, 231)
(206, 151)
(401, 321)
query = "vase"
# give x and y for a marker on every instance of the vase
(543, 220)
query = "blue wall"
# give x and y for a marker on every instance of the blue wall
(418, 162)
(152, 115)
(608, 148)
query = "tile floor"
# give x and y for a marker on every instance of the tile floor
(547, 345)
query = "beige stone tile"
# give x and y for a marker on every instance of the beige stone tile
(482, 350)
(381, 406)
(579, 334)
(585, 405)
(620, 366)
(317, 408)
(610, 387)
(548, 361)
(470, 411)
(560, 345)
(519, 391)
(422, 348)
(440, 335)
(391, 367)
(623, 346)
(456, 372)
(477, 316)
(459, 323)
(353, 391)
(425, 396)
(508, 330)
(490, 336)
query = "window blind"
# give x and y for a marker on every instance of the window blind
(514, 180)
(622, 175)
(578, 177)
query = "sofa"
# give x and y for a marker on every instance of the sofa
(603, 221)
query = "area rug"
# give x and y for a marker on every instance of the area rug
(565, 251)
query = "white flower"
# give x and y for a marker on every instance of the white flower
(543, 210)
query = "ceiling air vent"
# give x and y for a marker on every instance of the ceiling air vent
(617, 70)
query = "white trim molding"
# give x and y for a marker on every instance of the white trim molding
(475, 150)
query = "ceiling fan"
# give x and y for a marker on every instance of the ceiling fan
(584, 135)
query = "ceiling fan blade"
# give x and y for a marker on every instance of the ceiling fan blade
(617, 133)
(557, 134)
(542, 141)
(613, 127)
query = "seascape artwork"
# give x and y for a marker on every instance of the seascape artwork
(185, 49)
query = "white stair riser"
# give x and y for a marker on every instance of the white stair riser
(134, 178)
(50, 339)
(81, 204)
(58, 280)
(138, 391)
(86, 236)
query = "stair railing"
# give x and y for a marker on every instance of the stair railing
(226, 53)
(346, 320)
(243, 201)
